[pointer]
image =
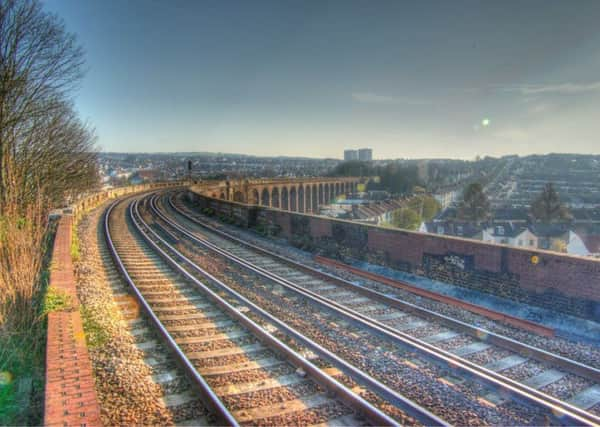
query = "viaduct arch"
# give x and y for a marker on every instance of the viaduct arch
(305, 195)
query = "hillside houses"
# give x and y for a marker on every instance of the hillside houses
(562, 237)
(512, 234)
(363, 210)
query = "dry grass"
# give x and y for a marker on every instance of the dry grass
(21, 253)
(23, 280)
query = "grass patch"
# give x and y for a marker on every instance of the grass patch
(56, 300)
(22, 362)
(75, 254)
(208, 211)
(22, 377)
(23, 357)
(96, 335)
(8, 406)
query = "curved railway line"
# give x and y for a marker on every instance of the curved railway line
(244, 374)
(412, 326)
(287, 269)
(267, 340)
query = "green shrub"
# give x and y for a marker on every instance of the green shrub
(95, 334)
(74, 244)
(260, 229)
(56, 300)
(208, 211)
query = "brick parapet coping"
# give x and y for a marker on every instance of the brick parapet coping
(70, 395)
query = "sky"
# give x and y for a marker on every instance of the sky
(410, 79)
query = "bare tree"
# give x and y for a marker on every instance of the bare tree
(47, 154)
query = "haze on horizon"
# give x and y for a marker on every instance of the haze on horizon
(421, 79)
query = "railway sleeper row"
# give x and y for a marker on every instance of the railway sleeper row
(343, 325)
(585, 398)
(242, 371)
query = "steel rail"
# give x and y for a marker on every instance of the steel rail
(519, 390)
(558, 409)
(211, 400)
(372, 413)
(481, 334)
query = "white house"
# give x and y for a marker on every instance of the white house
(576, 246)
(508, 233)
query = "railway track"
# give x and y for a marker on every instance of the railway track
(131, 373)
(335, 338)
(243, 373)
(482, 359)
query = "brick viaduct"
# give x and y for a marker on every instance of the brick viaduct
(303, 195)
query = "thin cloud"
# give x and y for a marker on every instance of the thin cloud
(557, 89)
(540, 108)
(373, 98)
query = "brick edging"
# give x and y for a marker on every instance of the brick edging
(70, 395)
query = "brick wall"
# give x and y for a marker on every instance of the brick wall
(70, 396)
(95, 199)
(560, 282)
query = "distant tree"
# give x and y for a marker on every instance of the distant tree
(547, 206)
(475, 205)
(398, 179)
(406, 218)
(559, 246)
(394, 177)
(268, 172)
(426, 206)
(431, 208)
(353, 168)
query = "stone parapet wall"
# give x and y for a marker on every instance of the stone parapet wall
(566, 283)
(95, 199)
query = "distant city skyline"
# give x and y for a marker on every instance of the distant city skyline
(410, 80)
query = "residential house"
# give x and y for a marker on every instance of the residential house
(554, 236)
(453, 228)
(510, 233)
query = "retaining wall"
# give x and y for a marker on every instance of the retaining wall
(569, 284)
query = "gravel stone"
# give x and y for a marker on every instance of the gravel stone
(125, 390)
